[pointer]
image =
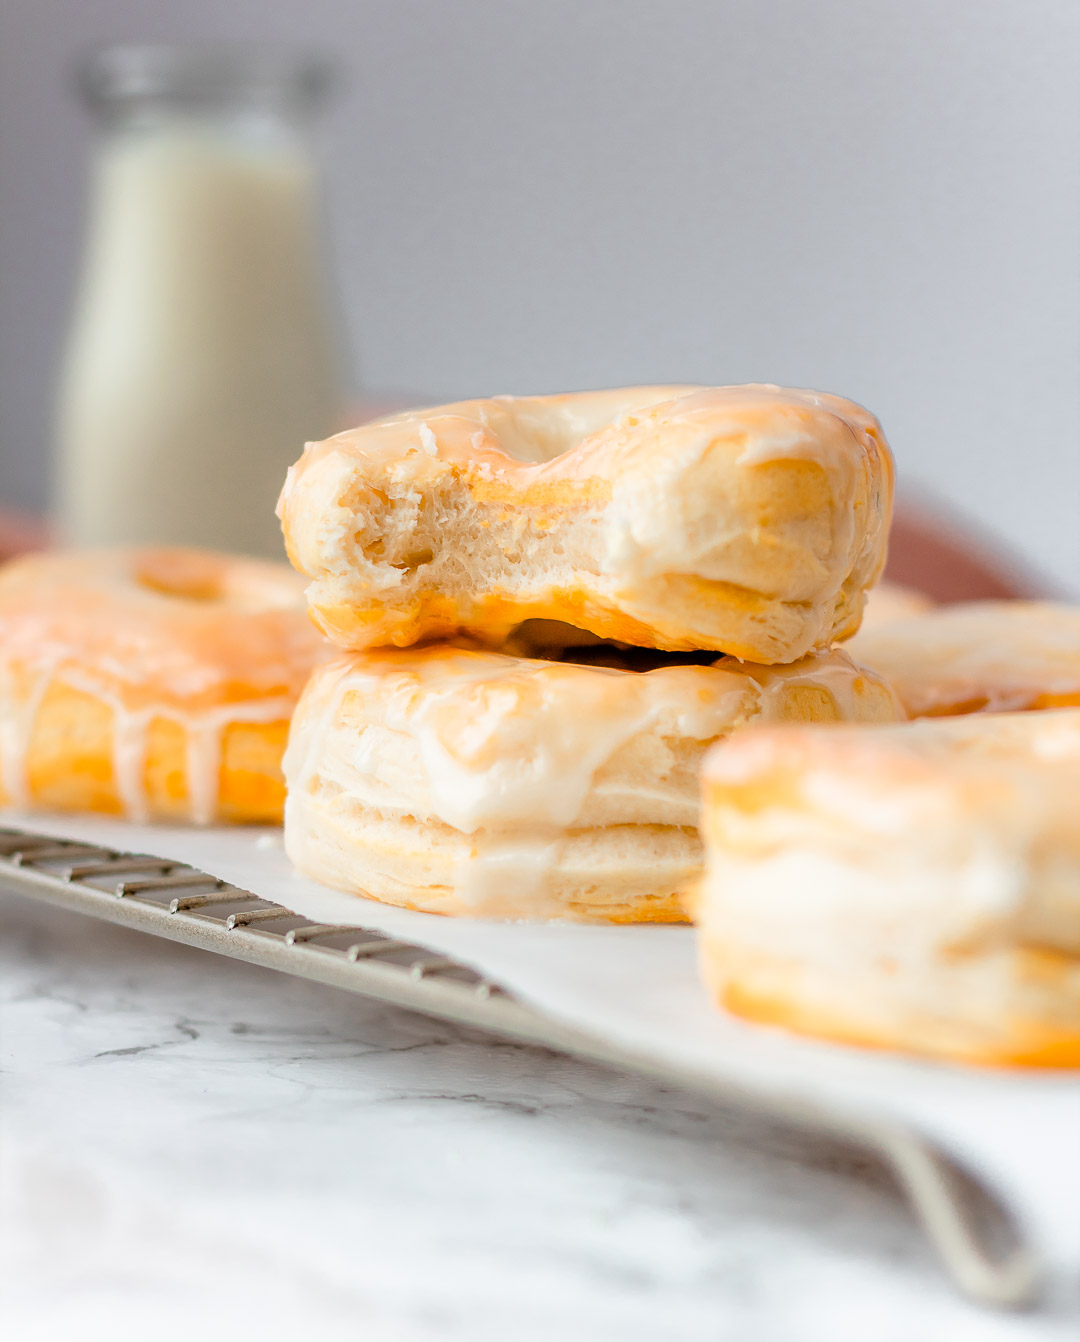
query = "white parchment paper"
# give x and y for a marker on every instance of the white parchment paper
(637, 988)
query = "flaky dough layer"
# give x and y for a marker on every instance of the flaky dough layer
(483, 784)
(913, 887)
(156, 684)
(748, 520)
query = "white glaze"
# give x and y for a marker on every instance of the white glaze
(522, 863)
(653, 520)
(17, 718)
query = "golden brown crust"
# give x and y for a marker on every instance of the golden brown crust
(644, 908)
(770, 992)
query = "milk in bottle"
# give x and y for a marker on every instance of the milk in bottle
(204, 350)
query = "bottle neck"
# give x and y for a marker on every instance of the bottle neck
(237, 86)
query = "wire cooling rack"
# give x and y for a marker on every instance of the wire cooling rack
(974, 1232)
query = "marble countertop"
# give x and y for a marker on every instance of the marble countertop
(198, 1147)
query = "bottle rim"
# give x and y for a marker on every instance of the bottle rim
(124, 78)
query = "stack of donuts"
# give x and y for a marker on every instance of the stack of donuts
(530, 628)
(549, 608)
(554, 606)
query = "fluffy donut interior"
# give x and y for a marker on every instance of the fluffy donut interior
(406, 539)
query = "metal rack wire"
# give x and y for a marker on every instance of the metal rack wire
(975, 1234)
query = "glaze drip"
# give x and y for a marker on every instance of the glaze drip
(203, 731)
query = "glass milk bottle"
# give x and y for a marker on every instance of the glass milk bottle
(204, 350)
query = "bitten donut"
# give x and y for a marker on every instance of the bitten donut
(980, 657)
(154, 684)
(914, 887)
(477, 783)
(747, 520)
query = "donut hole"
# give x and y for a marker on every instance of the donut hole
(624, 657)
(556, 641)
(201, 578)
(182, 575)
(539, 429)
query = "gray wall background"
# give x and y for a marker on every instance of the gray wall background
(877, 197)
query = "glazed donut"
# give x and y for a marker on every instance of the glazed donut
(154, 684)
(983, 656)
(470, 782)
(748, 520)
(914, 887)
(889, 601)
